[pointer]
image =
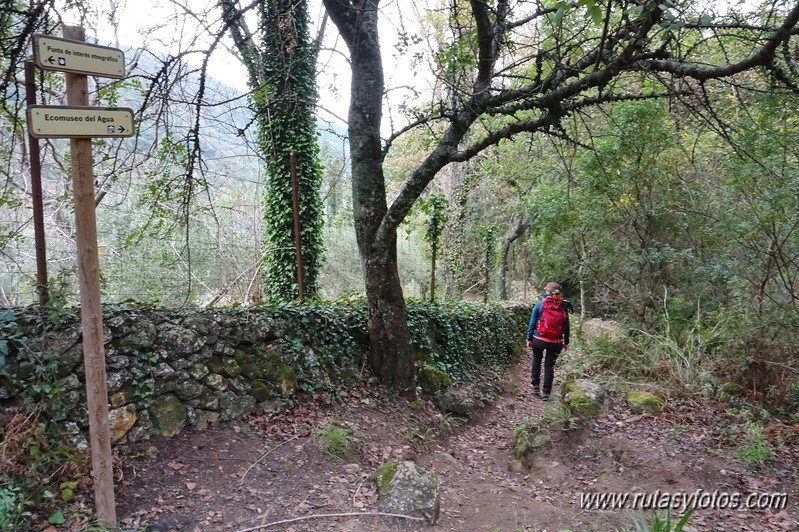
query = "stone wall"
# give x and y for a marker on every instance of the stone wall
(171, 368)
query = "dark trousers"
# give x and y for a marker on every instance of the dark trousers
(552, 351)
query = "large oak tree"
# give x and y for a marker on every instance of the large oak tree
(516, 67)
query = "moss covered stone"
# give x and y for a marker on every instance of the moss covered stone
(215, 364)
(642, 402)
(260, 391)
(584, 398)
(230, 367)
(168, 415)
(433, 380)
(406, 489)
(248, 364)
(280, 374)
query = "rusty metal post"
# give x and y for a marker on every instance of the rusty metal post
(295, 197)
(36, 193)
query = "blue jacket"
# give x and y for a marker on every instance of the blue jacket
(536, 315)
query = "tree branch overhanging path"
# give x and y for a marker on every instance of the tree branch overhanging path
(502, 77)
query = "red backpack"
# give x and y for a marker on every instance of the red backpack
(553, 315)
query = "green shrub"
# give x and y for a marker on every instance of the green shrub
(432, 380)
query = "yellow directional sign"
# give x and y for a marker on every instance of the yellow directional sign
(79, 122)
(54, 53)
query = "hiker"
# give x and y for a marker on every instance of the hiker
(548, 332)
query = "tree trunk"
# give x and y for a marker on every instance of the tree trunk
(389, 335)
(517, 229)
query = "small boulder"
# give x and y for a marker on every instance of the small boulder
(458, 401)
(585, 398)
(595, 328)
(406, 489)
(642, 402)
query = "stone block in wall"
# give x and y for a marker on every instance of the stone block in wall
(209, 401)
(164, 371)
(189, 389)
(71, 382)
(163, 387)
(248, 364)
(120, 421)
(203, 355)
(116, 361)
(239, 385)
(167, 414)
(260, 391)
(198, 371)
(205, 327)
(223, 348)
(279, 375)
(180, 364)
(70, 360)
(118, 379)
(137, 337)
(55, 342)
(203, 418)
(70, 400)
(215, 381)
(121, 398)
(179, 342)
(228, 367)
(143, 428)
(232, 406)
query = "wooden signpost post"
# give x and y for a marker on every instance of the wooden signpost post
(80, 123)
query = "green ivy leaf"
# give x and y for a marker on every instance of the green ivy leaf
(595, 12)
(57, 518)
(558, 18)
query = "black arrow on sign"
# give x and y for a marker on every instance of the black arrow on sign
(121, 129)
(51, 60)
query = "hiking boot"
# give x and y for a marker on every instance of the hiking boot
(536, 393)
(545, 397)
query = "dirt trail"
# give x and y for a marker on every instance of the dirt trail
(240, 477)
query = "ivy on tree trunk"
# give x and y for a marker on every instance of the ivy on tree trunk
(283, 77)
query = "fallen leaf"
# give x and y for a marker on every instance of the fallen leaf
(177, 466)
(191, 485)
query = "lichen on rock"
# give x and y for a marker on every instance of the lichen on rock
(405, 488)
